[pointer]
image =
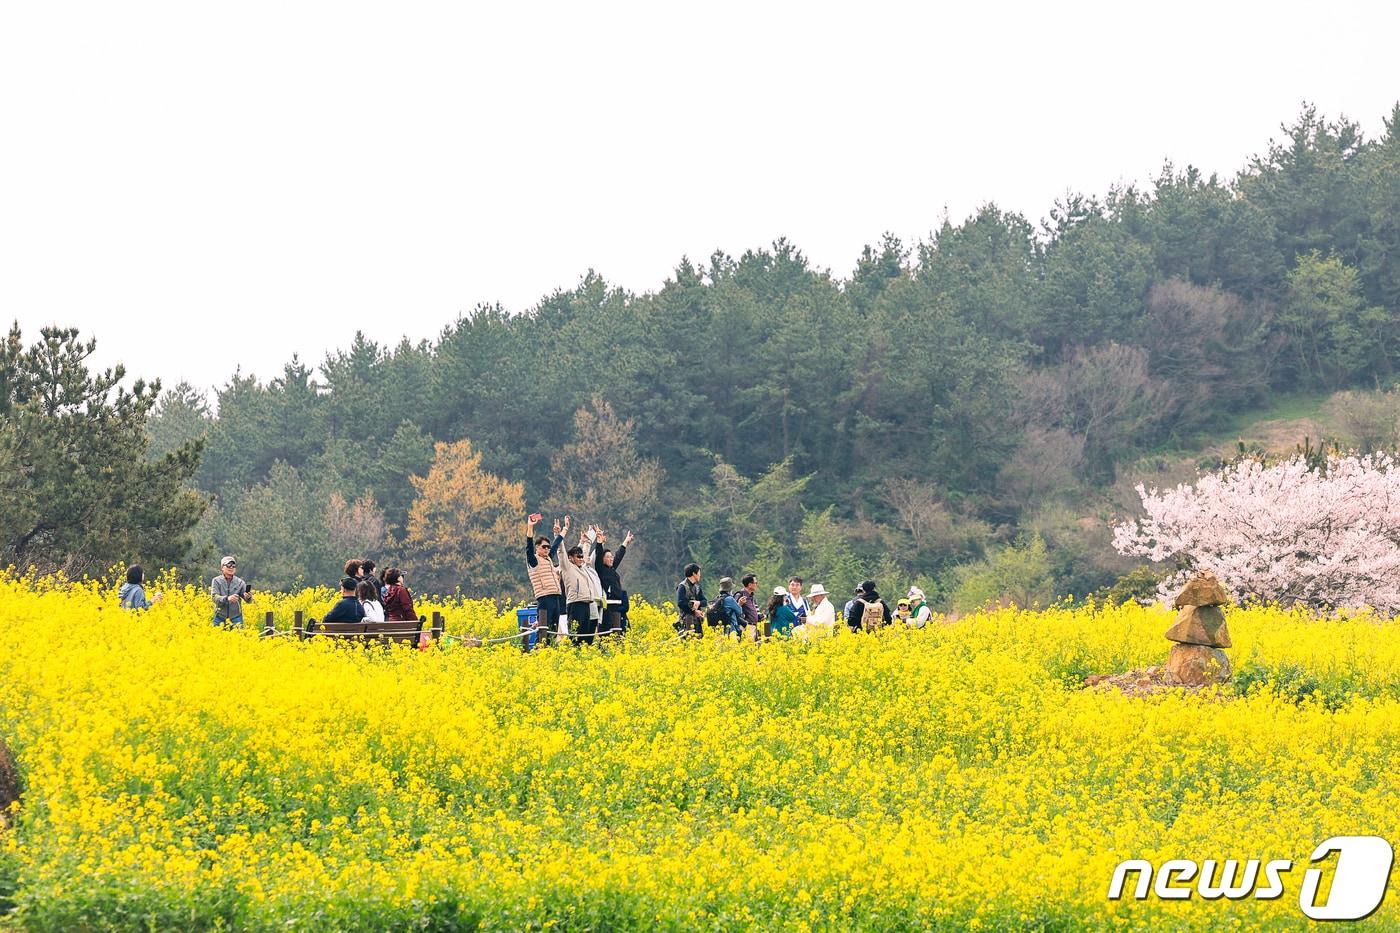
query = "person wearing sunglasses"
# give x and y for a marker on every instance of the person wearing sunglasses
(230, 592)
(540, 555)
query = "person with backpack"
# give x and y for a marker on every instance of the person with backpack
(725, 610)
(867, 611)
(690, 601)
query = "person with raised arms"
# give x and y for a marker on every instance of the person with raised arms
(606, 562)
(540, 555)
(583, 591)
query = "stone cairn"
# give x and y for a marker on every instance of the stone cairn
(1199, 633)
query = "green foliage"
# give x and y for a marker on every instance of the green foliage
(742, 522)
(1308, 184)
(1138, 585)
(180, 418)
(1096, 275)
(1331, 335)
(996, 372)
(81, 493)
(827, 554)
(288, 531)
(1017, 574)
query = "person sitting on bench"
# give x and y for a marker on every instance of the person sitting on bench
(349, 608)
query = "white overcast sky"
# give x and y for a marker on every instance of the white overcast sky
(203, 186)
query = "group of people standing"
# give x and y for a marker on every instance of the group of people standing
(788, 611)
(578, 596)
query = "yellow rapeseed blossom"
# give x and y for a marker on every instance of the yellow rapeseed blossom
(177, 776)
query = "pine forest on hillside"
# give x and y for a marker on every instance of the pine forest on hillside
(968, 412)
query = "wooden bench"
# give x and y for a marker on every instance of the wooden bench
(408, 632)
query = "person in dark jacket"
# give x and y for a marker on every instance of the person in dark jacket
(606, 562)
(748, 601)
(690, 601)
(868, 611)
(398, 601)
(367, 574)
(349, 608)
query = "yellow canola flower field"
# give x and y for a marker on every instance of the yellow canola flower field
(181, 777)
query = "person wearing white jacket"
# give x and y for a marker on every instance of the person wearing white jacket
(583, 591)
(823, 613)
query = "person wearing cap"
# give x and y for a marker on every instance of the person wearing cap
(780, 614)
(823, 613)
(919, 611)
(349, 609)
(230, 592)
(728, 607)
(901, 611)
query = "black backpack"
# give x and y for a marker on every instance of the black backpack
(715, 615)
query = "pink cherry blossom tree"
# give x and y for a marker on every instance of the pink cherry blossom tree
(1325, 537)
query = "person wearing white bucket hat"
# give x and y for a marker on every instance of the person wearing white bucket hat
(823, 613)
(919, 611)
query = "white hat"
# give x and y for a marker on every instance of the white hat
(227, 560)
(779, 591)
(915, 593)
(817, 590)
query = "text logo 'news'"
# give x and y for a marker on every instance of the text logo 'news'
(1359, 880)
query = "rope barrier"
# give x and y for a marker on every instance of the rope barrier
(445, 636)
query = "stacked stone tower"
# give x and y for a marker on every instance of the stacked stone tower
(1199, 632)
